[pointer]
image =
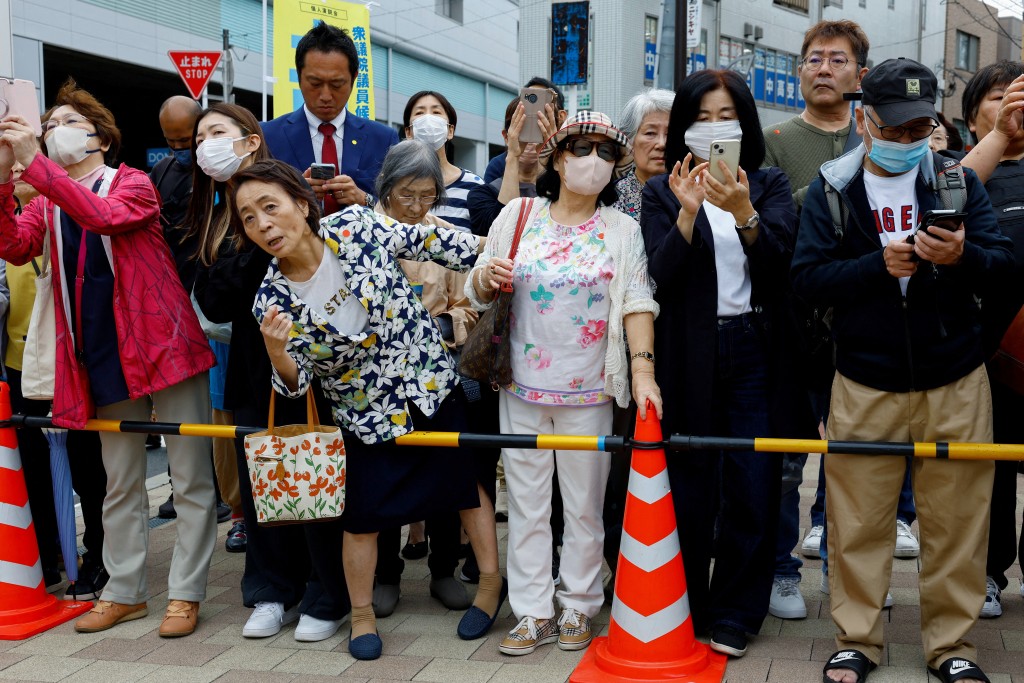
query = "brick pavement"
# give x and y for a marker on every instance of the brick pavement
(420, 642)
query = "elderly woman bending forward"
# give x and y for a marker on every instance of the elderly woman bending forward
(580, 281)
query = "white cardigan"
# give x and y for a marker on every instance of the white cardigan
(631, 289)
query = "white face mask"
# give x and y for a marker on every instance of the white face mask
(431, 129)
(586, 175)
(700, 135)
(217, 157)
(66, 145)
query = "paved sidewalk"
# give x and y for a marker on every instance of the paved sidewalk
(420, 642)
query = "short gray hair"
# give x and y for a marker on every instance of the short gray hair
(641, 105)
(409, 159)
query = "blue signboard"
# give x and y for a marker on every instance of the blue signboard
(759, 56)
(792, 87)
(155, 154)
(781, 69)
(570, 35)
(769, 78)
(697, 62)
(650, 52)
(800, 103)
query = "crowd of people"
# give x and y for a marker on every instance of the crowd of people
(800, 291)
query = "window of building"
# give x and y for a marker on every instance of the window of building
(650, 48)
(862, 3)
(967, 51)
(834, 3)
(451, 9)
(798, 5)
(892, 4)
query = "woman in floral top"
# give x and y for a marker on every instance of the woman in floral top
(335, 306)
(645, 122)
(581, 285)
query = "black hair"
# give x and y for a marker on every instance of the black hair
(686, 108)
(1001, 73)
(541, 82)
(549, 184)
(326, 38)
(285, 177)
(953, 140)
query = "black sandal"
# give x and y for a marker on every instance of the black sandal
(957, 669)
(854, 660)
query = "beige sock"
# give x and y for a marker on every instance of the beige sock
(488, 592)
(363, 621)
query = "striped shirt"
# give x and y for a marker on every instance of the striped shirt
(455, 210)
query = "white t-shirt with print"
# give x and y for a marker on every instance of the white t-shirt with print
(328, 294)
(893, 202)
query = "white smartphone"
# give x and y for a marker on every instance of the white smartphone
(727, 151)
(19, 97)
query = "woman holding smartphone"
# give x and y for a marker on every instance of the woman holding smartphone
(719, 251)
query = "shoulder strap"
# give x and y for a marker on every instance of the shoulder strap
(836, 208)
(950, 183)
(525, 209)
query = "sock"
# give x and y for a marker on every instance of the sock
(488, 592)
(363, 621)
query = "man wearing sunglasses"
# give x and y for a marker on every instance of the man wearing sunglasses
(909, 367)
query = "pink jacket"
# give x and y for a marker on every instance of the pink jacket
(160, 340)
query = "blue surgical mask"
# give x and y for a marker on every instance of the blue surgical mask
(183, 157)
(896, 157)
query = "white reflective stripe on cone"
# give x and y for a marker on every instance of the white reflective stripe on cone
(646, 629)
(12, 515)
(649, 557)
(9, 458)
(649, 489)
(26, 576)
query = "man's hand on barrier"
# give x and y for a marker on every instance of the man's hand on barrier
(897, 256)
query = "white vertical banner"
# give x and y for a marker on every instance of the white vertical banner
(693, 10)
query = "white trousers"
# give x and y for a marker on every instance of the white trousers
(582, 478)
(126, 506)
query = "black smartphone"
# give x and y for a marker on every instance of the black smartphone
(949, 220)
(322, 171)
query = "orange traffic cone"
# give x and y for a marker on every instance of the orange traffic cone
(25, 607)
(651, 633)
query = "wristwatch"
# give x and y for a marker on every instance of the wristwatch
(370, 201)
(751, 222)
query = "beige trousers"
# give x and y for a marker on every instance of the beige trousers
(952, 498)
(226, 465)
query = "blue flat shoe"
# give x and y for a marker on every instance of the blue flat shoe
(475, 623)
(366, 646)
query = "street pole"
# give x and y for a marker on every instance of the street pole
(229, 68)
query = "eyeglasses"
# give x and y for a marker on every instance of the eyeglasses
(582, 147)
(918, 131)
(409, 200)
(815, 62)
(73, 120)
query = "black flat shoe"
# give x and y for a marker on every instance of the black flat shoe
(415, 551)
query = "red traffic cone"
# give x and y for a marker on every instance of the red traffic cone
(651, 633)
(25, 607)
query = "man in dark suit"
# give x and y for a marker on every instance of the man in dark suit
(322, 131)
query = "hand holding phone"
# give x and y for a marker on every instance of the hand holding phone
(949, 220)
(534, 100)
(322, 171)
(727, 151)
(19, 97)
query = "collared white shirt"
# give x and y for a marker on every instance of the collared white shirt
(318, 137)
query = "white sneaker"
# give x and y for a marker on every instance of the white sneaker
(311, 629)
(825, 589)
(906, 542)
(992, 607)
(267, 619)
(786, 601)
(811, 547)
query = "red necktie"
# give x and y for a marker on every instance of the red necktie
(329, 155)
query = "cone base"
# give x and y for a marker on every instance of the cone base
(600, 666)
(50, 612)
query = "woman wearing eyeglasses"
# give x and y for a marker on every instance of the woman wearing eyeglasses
(581, 289)
(720, 252)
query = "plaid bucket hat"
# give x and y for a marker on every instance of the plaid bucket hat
(585, 122)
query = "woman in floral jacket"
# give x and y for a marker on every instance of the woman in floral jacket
(335, 306)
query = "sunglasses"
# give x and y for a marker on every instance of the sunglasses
(582, 147)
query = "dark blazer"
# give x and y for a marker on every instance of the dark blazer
(365, 144)
(686, 331)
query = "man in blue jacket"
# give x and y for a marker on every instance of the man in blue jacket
(322, 131)
(909, 367)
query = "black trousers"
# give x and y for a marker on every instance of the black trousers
(1003, 546)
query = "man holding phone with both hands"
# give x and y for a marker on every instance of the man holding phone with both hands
(909, 367)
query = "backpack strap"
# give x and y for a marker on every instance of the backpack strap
(836, 208)
(950, 184)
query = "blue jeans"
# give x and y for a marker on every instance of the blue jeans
(735, 493)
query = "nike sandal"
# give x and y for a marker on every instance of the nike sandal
(957, 669)
(854, 660)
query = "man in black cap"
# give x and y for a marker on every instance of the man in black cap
(909, 367)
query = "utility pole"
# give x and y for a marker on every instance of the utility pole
(228, 67)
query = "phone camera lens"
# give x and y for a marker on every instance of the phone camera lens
(4, 108)
(531, 98)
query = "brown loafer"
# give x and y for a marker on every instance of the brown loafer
(106, 614)
(179, 619)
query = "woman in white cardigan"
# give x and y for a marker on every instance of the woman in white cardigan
(581, 288)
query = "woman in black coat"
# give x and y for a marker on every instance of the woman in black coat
(719, 253)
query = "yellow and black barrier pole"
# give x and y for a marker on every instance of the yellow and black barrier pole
(676, 442)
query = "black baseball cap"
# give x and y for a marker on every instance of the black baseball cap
(900, 90)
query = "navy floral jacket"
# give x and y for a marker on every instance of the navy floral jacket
(371, 377)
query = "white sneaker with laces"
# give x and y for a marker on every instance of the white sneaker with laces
(992, 607)
(312, 630)
(786, 601)
(906, 542)
(267, 619)
(811, 547)
(825, 589)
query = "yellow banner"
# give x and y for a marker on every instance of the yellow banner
(292, 19)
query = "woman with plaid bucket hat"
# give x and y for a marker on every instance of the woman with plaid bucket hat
(581, 289)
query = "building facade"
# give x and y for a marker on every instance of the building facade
(972, 41)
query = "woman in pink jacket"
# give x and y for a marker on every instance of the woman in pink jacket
(125, 331)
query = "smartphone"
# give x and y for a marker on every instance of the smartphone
(322, 171)
(727, 151)
(534, 100)
(19, 97)
(946, 219)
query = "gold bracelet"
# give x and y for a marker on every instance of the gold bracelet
(646, 355)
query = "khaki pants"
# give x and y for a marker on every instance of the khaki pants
(226, 465)
(952, 498)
